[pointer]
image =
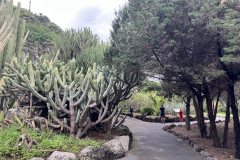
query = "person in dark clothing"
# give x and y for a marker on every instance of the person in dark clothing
(162, 114)
(131, 111)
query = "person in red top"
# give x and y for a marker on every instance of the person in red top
(180, 116)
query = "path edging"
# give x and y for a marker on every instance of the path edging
(202, 152)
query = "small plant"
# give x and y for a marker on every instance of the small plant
(147, 111)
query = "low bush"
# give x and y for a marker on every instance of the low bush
(48, 142)
(147, 111)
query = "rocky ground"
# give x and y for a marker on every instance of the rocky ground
(219, 153)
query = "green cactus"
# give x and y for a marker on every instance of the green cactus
(10, 31)
(69, 94)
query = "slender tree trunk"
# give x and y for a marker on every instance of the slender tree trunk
(235, 119)
(213, 127)
(187, 121)
(198, 106)
(227, 119)
(216, 106)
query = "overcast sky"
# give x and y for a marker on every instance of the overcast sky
(96, 14)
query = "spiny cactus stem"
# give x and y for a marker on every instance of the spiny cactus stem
(33, 90)
(108, 88)
(82, 96)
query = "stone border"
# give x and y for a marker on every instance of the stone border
(206, 155)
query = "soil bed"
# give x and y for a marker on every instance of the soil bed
(207, 144)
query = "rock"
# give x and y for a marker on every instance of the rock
(56, 155)
(114, 149)
(180, 140)
(197, 148)
(124, 140)
(92, 153)
(37, 158)
(18, 112)
(205, 154)
(184, 138)
(140, 116)
(210, 158)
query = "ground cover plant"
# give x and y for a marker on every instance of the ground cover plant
(47, 141)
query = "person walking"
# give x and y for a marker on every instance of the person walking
(180, 116)
(162, 109)
(131, 111)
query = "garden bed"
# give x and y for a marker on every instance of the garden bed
(206, 144)
(50, 142)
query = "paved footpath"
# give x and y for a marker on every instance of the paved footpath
(150, 142)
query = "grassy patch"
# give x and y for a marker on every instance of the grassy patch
(48, 142)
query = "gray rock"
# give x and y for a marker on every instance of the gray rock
(205, 154)
(37, 158)
(56, 155)
(125, 142)
(114, 149)
(185, 138)
(18, 112)
(210, 158)
(197, 148)
(92, 153)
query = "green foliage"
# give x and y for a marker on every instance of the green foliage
(138, 101)
(147, 111)
(169, 106)
(91, 55)
(149, 86)
(48, 141)
(39, 34)
(157, 100)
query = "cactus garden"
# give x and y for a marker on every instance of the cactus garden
(60, 95)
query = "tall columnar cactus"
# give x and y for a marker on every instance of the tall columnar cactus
(74, 101)
(11, 33)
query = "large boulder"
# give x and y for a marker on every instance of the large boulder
(93, 153)
(56, 155)
(113, 149)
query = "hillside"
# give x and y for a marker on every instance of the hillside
(42, 33)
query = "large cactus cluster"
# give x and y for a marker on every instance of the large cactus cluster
(11, 32)
(69, 99)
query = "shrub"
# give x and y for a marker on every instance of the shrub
(147, 111)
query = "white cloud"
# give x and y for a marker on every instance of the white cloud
(96, 14)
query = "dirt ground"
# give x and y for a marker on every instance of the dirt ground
(219, 153)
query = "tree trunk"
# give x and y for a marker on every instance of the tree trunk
(227, 119)
(213, 127)
(216, 106)
(235, 119)
(198, 106)
(187, 121)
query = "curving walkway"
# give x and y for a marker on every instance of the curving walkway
(150, 142)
